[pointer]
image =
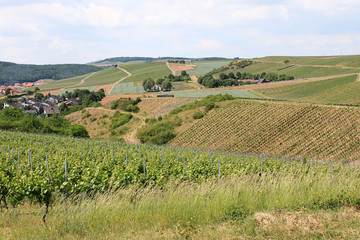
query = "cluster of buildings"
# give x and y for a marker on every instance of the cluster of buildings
(19, 86)
(49, 106)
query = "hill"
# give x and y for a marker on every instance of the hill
(152, 59)
(342, 90)
(11, 73)
(301, 67)
(277, 129)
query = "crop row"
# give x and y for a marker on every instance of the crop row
(274, 128)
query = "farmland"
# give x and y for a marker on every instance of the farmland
(142, 71)
(126, 88)
(106, 76)
(343, 90)
(278, 129)
(88, 182)
(205, 67)
(203, 93)
(63, 83)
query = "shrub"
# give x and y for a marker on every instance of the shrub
(78, 131)
(198, 115)
(209, 106)
(119, 119)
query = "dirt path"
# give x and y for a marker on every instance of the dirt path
(131, 136)
(128, 75)
(172, 70)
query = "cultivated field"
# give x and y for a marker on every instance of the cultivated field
(343, 90)
(58, 84)
(204, 93)
(142, 71)
(278, 129)
(155, 107)
(68, 188)
(127, 88)
(106, 76)
(205, 67)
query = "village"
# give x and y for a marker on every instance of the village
(42, 106)
(19, 86)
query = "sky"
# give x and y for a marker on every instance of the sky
(82, 31)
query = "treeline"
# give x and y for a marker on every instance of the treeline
(232, 79)
(11, 73)
(150, 59)
(176, 61)
(87, 98)
(232, 65)
(165, 82)
(15, 120)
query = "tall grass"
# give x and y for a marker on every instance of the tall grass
(180, 209)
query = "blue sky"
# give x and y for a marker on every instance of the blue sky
(81, 31)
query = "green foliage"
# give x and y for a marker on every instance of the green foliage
(148, 84)
(272, 77)
(11, 73)
(78, 131)
(119, 119)
(125, 104)
(166, 85)
(72, 110)
(87, 98)
(198, 115)
(159, 133)
(209, 100)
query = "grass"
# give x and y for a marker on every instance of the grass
(127, 88)
(298, 72)
(285, 204)
(201, 94)
(53, 85)
(205, 67)
(345, 61)
(142, 71)
(106, 76)
(277, 129)
(343, 90)
(90, 88)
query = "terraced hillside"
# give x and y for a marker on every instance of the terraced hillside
(343, 90)
(278, 128)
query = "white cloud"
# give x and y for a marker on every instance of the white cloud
(207, 44)
(330, 7)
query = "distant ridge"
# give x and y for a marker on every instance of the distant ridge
(11, 73)
(151, 59)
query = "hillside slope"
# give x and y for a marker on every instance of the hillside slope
(277, 128)
(342, 90)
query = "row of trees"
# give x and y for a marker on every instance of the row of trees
(232, 79)
(177, 61)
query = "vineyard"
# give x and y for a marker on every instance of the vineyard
(278, 129)
(38, 167)
(88, 187)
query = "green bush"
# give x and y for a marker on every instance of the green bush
(209, 106)
(159, 133)
(119, 119)
(198, 115)
(78, 131)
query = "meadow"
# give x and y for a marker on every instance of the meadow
(127, 88)
(106, 76)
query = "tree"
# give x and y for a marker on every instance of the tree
(231, 75)
(148, 84)
(78, 131)
(272, 77)
(183, 73)
(39, 96)
(286, 61)
(7, 91)
(166, 85)
(64, 107)
(263, 74)
(238, 75)
(223, 76)
(36, 89)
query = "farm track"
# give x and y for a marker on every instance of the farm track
(128, 75)
(172, 70)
